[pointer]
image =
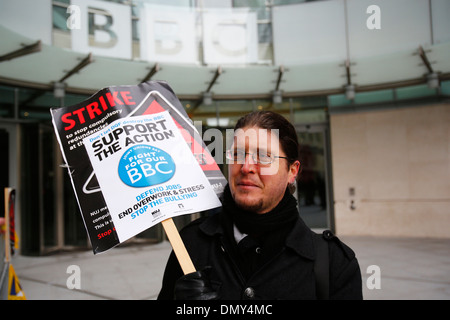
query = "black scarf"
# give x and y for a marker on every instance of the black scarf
(255, 224)
(267, 231)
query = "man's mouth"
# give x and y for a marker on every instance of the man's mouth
(247, 184)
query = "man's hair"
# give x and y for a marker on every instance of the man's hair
(286, 132)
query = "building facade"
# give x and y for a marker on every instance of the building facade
(365, 83)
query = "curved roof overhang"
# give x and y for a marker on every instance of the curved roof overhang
(32, 64)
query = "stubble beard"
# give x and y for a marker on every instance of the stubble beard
(252, 205)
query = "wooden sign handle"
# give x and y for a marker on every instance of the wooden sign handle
(178, 246)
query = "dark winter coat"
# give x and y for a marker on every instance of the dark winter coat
(289, 274)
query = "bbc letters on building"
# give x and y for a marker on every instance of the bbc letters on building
(134, 160)
(165, 34)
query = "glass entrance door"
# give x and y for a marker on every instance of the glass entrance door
(4, 165)
(314, 188)
(61, 225)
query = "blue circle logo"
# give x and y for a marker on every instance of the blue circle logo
(145, 166)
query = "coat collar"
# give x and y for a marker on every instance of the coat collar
(300, 239)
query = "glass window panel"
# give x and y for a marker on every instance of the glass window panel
(261, 7)
(445, 88)
(374, 96)
(264, 33)
(229, 111)
(284, 2)
(415, 92)
(337, 100)
(60, 17)
(311, 187)
(6, 102)
(311, 102)
(441, 23)
(310, 116)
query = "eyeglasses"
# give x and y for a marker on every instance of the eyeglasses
(238, 156)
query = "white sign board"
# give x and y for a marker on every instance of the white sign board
(147, 173)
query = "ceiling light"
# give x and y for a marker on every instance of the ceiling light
(350, 92)
(59, 90)
(277, 97)
(217, 122)
(433, 80)
(207, 98)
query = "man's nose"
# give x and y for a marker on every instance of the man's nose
(249, 164)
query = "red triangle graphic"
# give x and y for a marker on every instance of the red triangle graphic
(205, 159)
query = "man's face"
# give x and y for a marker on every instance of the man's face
(258, 187)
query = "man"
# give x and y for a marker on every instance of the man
(258, 247)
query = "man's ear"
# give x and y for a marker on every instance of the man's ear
(294, 169)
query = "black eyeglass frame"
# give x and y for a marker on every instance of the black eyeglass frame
(255, 157)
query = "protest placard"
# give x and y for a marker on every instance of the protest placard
(147, 173)
(106, 155)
